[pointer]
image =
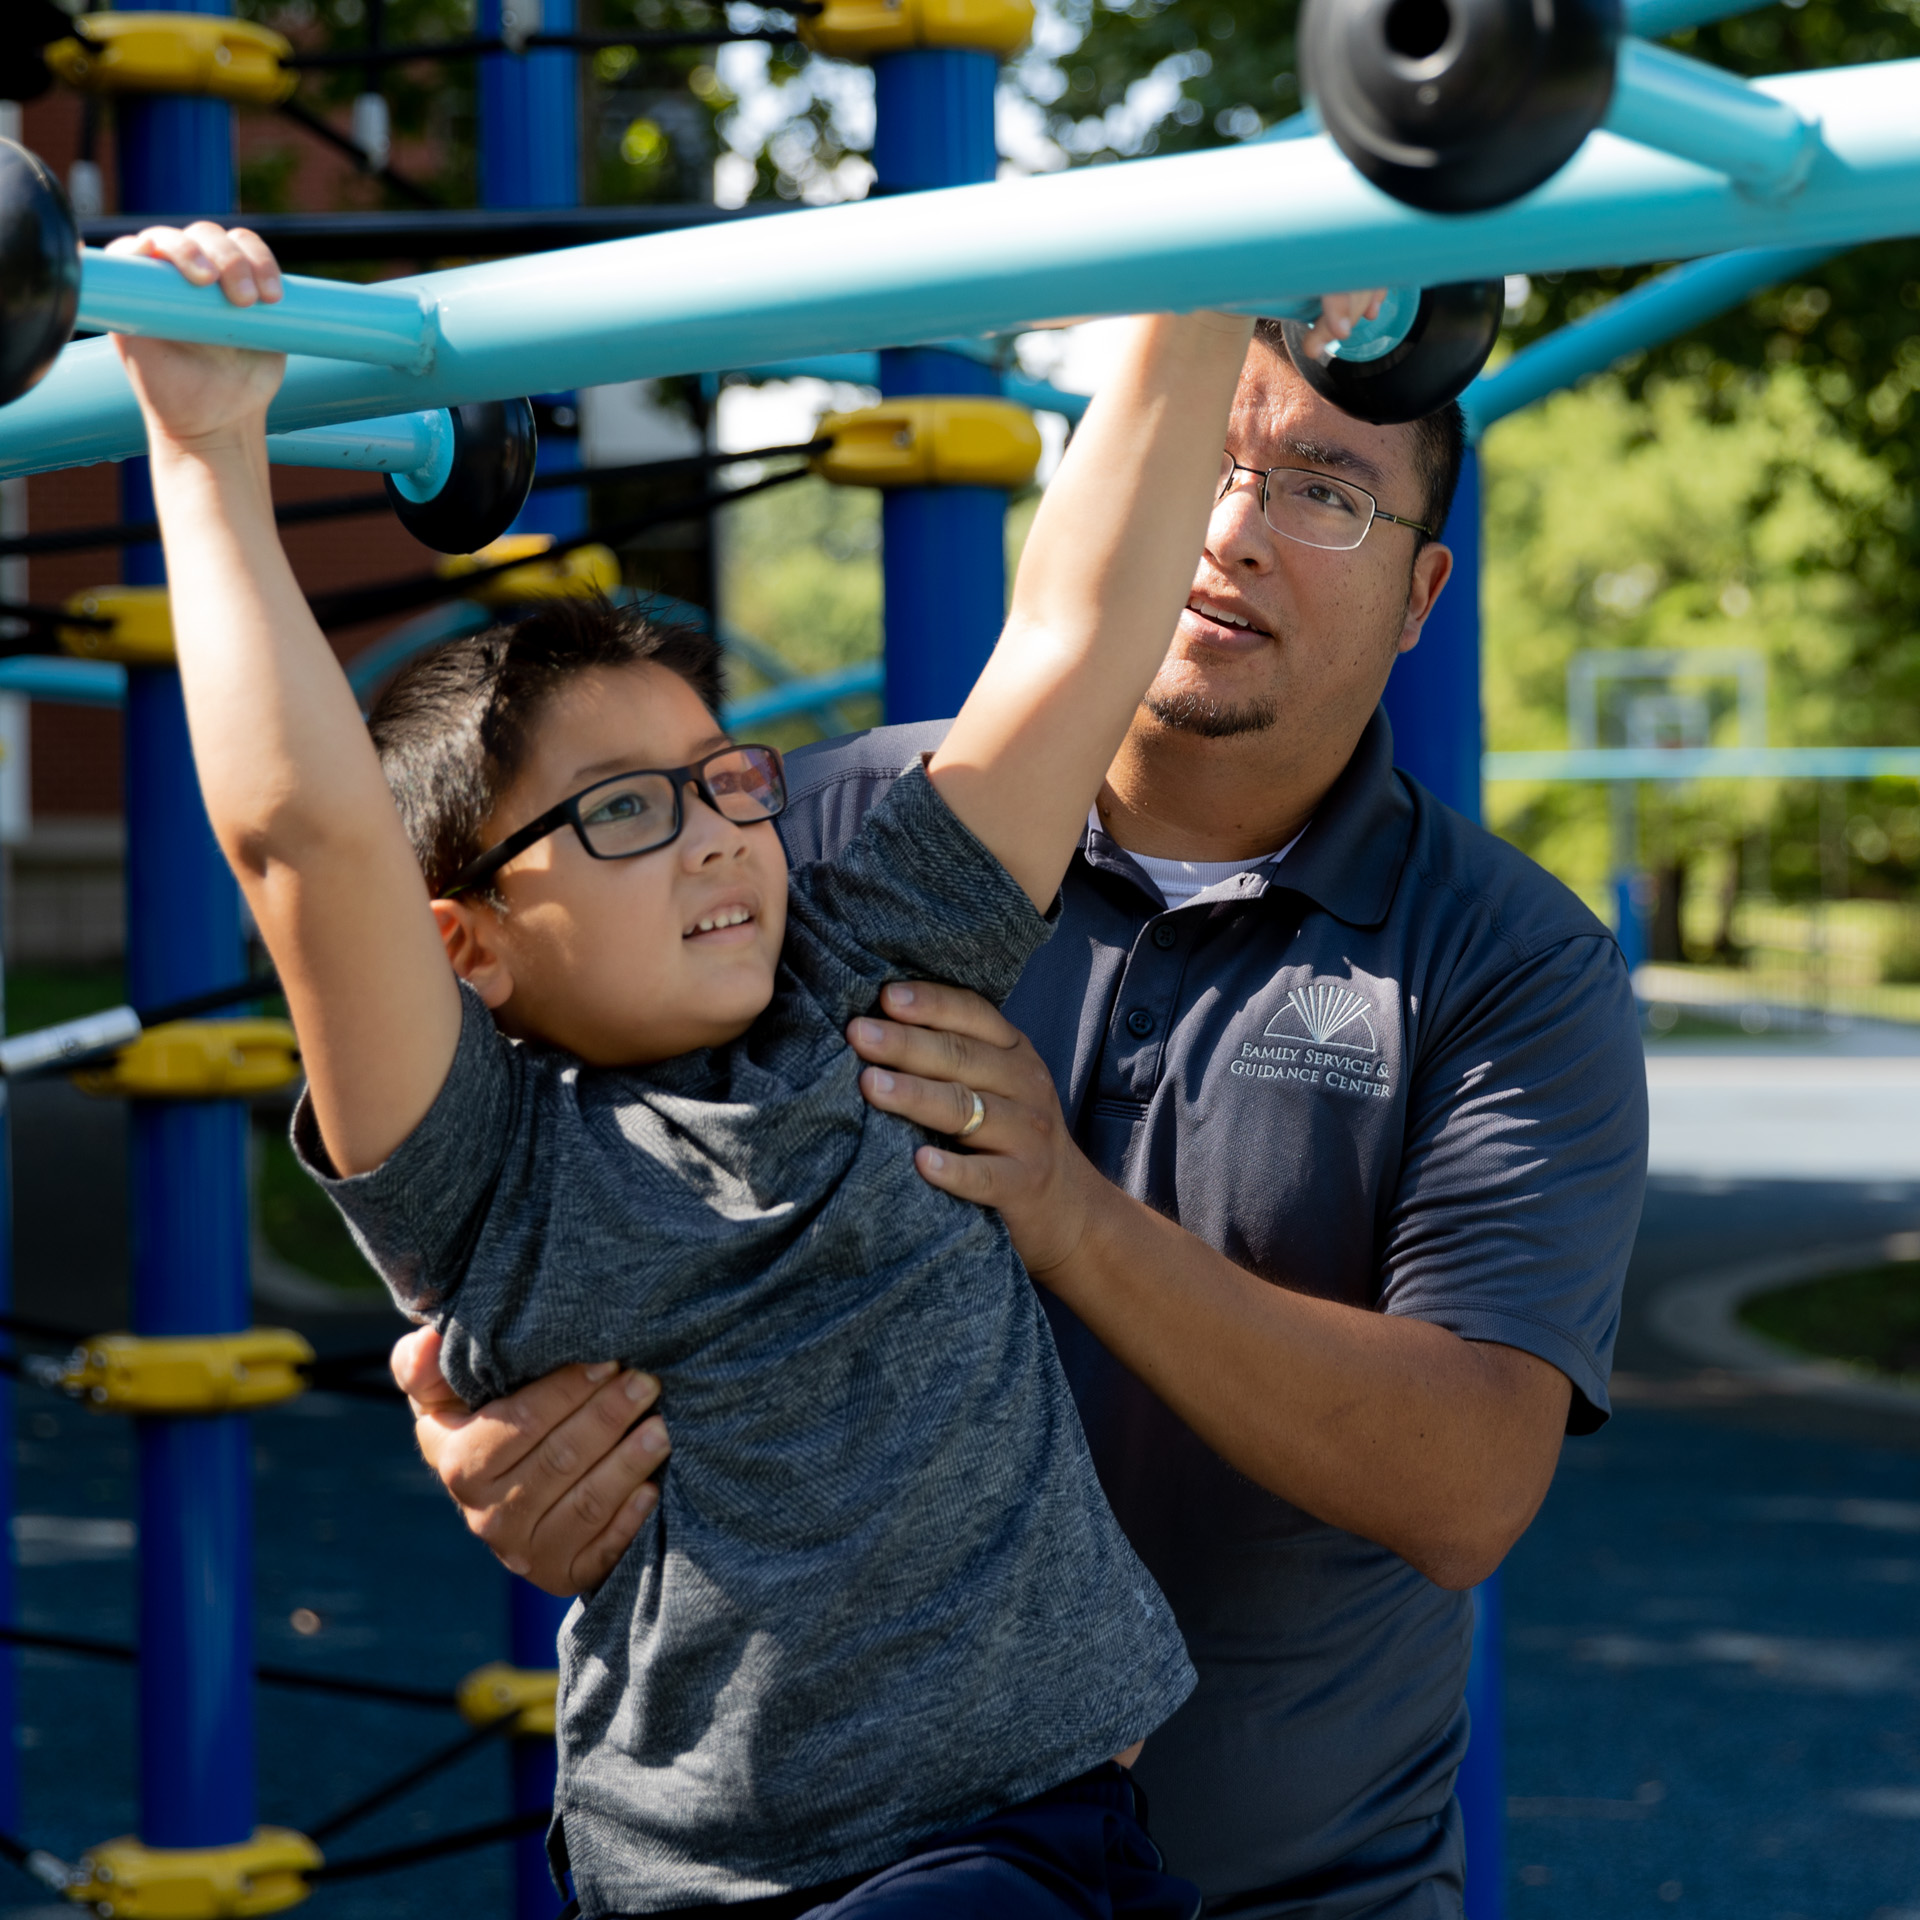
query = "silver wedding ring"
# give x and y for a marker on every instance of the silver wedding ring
(974, 1119)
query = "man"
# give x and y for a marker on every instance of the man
(1326, 1149)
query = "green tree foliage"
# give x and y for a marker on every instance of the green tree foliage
(1856, 320)
(1682, 514)
(801, 576)
(1159, 76)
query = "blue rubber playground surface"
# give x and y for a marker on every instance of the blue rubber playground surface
(1713, 1680)
(1713, 1629)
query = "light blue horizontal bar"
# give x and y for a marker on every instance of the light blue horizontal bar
(1659, 309)
(400, 443)
(1703, 114)
(1044, 397)
(383, 326)
(863, 370)
(1247, 225)
(373, 664)
(803, 696)
(848, 369)
(1655, 19)
(80, 683)
(1706, 763)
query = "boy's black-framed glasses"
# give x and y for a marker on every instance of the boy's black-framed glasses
(644, 810)
(1314, 509)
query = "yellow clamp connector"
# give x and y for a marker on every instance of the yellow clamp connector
(199, 1060)
(931, 443)
(190, 53)
(142, 631)
(587, 573)
(188, 1373)
(123, 1880)
(498, 1692)
(859, 29)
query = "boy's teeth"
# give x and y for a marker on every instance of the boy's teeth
(731, 917)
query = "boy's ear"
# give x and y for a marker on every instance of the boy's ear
(470, 932)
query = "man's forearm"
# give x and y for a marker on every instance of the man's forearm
(1438, 1448)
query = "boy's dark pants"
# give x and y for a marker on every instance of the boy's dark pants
(1077, 1852)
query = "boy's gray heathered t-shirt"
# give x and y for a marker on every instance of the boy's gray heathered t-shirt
(882, 1594)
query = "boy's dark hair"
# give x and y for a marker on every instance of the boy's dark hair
(1439, 443)
(452, 728)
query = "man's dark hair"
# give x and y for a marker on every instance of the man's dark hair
(1439, 442)
(454, 727)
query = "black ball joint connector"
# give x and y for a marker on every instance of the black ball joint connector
(494, 445)
(494, 442)
(1452, 106)
(1455, 106)
(39, 270)
(1453, 331)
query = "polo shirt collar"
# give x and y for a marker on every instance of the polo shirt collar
(1349, 859)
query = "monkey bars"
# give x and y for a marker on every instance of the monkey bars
(1264, 226)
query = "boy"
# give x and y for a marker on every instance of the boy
(880, 1644)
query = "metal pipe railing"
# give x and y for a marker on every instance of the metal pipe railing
(1250, 226)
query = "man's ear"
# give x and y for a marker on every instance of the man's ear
(1432, 569)
(470, 932)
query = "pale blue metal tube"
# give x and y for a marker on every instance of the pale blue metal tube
(1687, 108)
(80, 683)
(863, 370)
(1250, 225)
(123, 294)
(1655, 19)
(1657, 310)
(1706, 763)
(417, 444)
(803, 696)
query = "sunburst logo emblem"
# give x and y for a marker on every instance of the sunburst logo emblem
(1329, 1013)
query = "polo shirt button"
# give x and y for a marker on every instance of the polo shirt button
(1140, 1022)
(1164, 936)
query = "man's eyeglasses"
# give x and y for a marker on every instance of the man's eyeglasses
(642, 811)
(1313, 508)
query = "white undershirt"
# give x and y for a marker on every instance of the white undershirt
(1181, 880)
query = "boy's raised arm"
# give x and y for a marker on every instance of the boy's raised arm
(291, 781)
(1107, 568)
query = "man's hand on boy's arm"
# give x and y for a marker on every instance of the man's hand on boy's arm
(1437, 1447)
(557, 1478)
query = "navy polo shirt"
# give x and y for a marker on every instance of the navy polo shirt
(1400, 1070)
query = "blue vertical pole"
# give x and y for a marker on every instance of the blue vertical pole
(1433, 703)
(944, 547)
(1482, 1781)
(14, 576)
(9, 1593)
(530, 157)
(1433, 696)
(188, 1171)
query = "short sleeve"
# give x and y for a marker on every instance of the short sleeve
(418, 1215)
(912, 894)
(1525, 1164)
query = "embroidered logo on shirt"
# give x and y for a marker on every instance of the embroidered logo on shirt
(1330, 1014)
(1322, 1036)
